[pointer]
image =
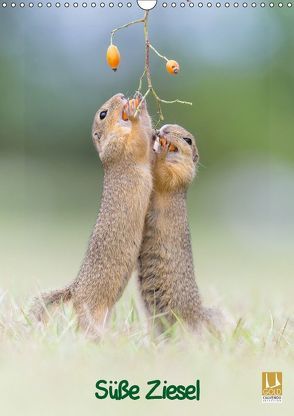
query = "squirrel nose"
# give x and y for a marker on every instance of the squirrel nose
(164, 130)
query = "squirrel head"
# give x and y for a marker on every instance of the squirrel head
(106, 129)
(176, 160)
(113, 132)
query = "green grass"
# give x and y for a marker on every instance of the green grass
(257, 332)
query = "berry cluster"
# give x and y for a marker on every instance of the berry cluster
(113, 59)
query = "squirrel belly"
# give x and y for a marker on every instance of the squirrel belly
(166, 277)
(115, 242)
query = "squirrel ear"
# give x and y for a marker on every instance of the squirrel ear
(96, 135)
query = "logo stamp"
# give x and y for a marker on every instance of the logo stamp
(272, 387)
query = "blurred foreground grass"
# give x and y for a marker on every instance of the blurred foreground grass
(52, 370)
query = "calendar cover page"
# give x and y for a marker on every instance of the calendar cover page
(146, 208)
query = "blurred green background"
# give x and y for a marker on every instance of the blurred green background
(237, 67)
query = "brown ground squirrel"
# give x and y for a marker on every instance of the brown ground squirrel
(123, 145)
(166, 273)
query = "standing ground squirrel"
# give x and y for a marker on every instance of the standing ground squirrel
(123, 145)
(166, 273)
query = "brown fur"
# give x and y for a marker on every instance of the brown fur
(124, 149)
(166, 271)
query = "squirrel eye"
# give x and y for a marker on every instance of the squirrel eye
(188, 140)
(103, 114)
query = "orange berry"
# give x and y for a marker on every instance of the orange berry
(113, 57)
(172, 67)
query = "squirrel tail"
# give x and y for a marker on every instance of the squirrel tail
(45, 300)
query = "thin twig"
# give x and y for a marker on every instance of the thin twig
(170, 102)
(147, 51)
(157, 53)
(123, 27)
(141, 80)
(141, 102)
(159, 112)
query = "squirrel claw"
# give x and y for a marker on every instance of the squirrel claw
(134, 106)
(131, 109)
(138, 97)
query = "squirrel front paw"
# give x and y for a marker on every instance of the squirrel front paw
(133, 107)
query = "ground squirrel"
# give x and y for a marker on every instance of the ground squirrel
(166, 273)
(123, 145)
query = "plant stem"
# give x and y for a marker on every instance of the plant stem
(147, 51)
(141, 80)
(123, 27)
(157, 53)
(170, 102)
